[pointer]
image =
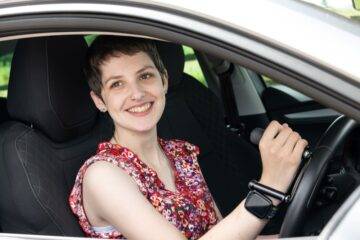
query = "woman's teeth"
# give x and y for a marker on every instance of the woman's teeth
(141, 108)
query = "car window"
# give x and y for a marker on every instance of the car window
(5, 64)
(192, 66)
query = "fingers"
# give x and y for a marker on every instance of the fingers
(281, 149)
(279, 138)
(299, 148)
(282, 137)
(270, 132)
(293, 138)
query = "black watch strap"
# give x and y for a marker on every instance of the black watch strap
(268, 191)
(260, 205)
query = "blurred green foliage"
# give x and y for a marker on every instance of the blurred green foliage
(90, 38)
(356, 4)
(5, 62)
(192, 66)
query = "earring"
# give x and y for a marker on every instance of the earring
(103, 109)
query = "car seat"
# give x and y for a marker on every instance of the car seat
(54, 127)
(4, 116)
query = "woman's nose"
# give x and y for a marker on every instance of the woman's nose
(137, 93)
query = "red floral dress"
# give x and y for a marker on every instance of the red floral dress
(190, 208)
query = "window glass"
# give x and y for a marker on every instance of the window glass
(5, 63)
(192, 66)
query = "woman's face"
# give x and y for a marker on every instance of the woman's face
(133, 92)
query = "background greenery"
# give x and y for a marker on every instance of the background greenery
(192, 66)
(357, 4)
(5, 62)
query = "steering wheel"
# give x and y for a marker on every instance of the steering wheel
(310, 176)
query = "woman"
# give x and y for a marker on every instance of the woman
(139, 186)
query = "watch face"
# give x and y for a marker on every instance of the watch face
(258, 204)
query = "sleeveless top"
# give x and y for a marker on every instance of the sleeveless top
(190, 208)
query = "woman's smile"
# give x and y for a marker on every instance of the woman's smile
(141, 110)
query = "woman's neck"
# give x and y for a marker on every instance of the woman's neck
(145, 145)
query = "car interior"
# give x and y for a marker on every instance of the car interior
(49, 126)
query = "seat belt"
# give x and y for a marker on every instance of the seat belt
(224, 70)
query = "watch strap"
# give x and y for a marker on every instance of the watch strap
(268, 191)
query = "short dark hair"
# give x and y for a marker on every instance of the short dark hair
(106, 46)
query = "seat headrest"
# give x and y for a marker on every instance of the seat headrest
(47, 87)
(173, 58)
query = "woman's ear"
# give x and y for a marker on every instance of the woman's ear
(98, 101)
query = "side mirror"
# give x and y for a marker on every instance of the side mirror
(356, 4)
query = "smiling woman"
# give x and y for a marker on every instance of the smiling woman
(133, 84)
(201, 144)
(128, 79)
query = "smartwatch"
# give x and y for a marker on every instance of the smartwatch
(258, 202)
(260, 205)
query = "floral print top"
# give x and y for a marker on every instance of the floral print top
(190, 208)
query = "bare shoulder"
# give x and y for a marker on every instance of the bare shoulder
(100, 167)
(102, 173)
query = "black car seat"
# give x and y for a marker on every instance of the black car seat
(54, 128)
(4, 115)
(194, 113)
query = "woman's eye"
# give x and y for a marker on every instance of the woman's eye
(146, 76)
(115, 84)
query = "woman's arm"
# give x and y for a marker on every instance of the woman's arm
(118, 201)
